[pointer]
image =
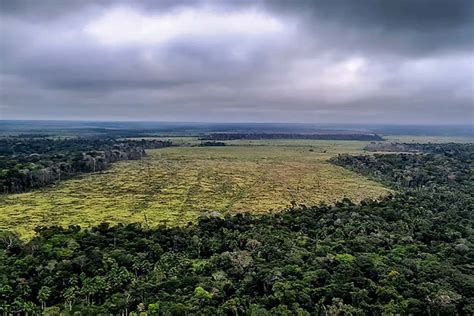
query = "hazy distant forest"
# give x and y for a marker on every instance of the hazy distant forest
(404, 246)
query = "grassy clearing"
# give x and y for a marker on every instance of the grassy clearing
(172, 186)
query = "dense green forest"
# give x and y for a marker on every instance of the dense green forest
(32, 162)
(410, 253)
(439, 167)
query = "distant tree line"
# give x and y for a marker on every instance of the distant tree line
(257, 136)
(27, 163)
(410, 253)
(212, 144)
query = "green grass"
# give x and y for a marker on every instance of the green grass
(172, 186)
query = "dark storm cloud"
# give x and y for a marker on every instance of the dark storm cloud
(397, 27)
(394, 15)
(313, 61)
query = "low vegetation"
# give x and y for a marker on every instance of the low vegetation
(173, 186)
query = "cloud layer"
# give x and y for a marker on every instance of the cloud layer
(368, 61)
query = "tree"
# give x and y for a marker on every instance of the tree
(43, 295)
(70, 295)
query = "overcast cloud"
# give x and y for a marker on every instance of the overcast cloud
(369, 61)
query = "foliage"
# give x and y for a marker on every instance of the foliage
(438, 167)
(212, 144)
(27, 163)
(409, 253)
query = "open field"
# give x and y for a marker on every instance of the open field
(172, 186)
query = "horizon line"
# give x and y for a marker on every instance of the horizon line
(230, 122)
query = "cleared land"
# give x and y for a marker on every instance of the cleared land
(172, 186)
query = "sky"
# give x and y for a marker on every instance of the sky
(367, 61)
